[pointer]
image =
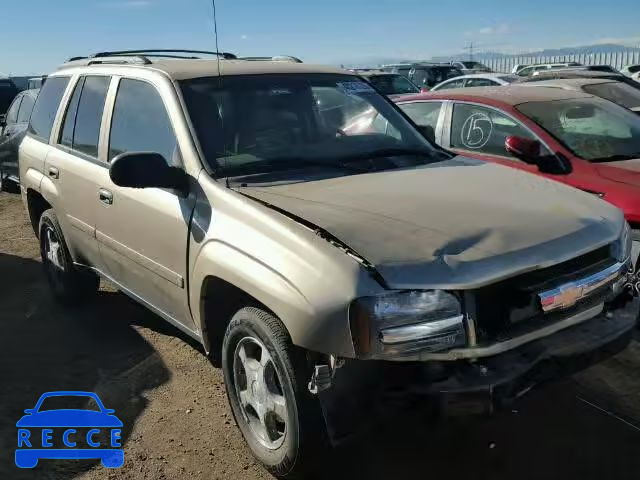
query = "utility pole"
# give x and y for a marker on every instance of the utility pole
(470, 48)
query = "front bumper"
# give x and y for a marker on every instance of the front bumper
(360, 388)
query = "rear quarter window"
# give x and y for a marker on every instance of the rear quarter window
(46, 107)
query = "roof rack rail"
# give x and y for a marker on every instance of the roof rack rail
(164, 52)
(134, 59)
(276, 58)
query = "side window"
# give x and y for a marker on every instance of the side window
(69, 123)
(424, 114)
(12, 113)
(26, 108)
(452, 84)
(480, 82)
(89, 115)
(526, 72)
(46, 107)
(140, 122)
(483, 130)
(81, 127)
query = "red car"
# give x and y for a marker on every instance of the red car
(572, 137)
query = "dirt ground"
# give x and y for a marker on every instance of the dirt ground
(177, 423)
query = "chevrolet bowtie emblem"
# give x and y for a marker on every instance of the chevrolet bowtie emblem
(567, 295)
(564, 298)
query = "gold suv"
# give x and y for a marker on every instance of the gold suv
(324, 261)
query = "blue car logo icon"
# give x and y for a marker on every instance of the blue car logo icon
(84, 433)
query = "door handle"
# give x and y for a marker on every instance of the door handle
(105, 196)
(54, 172)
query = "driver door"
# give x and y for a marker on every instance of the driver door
(143, 233)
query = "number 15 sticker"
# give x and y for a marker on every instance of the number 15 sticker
(476, 131)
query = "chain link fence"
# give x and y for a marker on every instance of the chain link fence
(615, 59)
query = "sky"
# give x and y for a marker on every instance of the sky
(40, 34)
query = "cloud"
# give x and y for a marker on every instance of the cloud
(244, 37)
(501, 29)
(128, 4)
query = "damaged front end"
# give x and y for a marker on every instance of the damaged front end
(477, 350)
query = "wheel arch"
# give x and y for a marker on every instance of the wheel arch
(227, 279)
(36, 206)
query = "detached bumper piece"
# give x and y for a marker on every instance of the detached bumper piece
(362, 391)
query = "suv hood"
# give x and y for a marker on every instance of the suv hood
(461, 223)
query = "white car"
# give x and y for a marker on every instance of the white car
(470, 67)
(528, 70)
(630, 70)
(636, 76)
(477, 80)
(617, 92)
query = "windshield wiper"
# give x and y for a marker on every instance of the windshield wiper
(288, 163)
(388, 152)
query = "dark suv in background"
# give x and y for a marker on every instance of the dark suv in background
(8, 91)
(13, 127)
(426, 75)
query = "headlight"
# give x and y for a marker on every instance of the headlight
(621, 248)
(400, 324)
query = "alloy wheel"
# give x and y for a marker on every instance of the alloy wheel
(259, 393)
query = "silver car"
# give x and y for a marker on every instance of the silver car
(478, 80)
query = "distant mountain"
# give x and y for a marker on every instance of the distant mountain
(600, 48)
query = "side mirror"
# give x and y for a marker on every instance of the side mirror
(29, 411)
(424, 90)
(523, 148)
(146, 170)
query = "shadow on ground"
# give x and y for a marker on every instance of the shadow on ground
(551, 434)
(44, 347)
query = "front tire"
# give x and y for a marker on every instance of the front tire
(265, 377)
(68, 284)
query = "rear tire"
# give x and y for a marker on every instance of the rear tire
(68, 284)
(267, 386)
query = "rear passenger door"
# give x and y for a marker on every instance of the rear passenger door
(143, 233)
(76, 168)
(480, 132)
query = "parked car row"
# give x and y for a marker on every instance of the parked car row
(334, 259)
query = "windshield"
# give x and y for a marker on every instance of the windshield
(509, 78)
(393, 84)
(474, 65)
(432, 76)
(250, 124)
(594, 129)
(617, 92)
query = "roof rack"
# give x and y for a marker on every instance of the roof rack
(276, 58)
(142, 56)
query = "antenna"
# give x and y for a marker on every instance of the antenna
(215, 30)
